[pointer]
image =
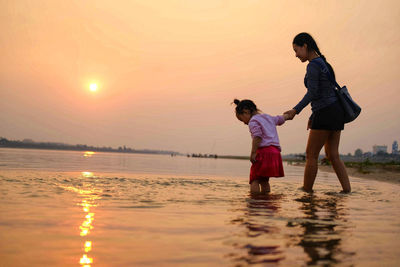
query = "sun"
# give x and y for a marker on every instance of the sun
(93, 87)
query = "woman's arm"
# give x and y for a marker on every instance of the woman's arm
(303, 103)
(312, 82)
(299, 107)
(313, 79)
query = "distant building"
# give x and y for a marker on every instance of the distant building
(395, 148)
(358, 153)
(376, 149)
(367, 154)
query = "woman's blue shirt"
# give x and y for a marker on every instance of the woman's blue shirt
(320, 90)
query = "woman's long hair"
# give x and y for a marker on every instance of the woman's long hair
(306, 38)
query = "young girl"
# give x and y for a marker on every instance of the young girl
(265, 151)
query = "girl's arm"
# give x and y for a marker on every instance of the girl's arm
(280, 119)
(255, 144)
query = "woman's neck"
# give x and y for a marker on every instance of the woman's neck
(312, 56)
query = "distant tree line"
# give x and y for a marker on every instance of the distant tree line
(28, 143)
(202, 156)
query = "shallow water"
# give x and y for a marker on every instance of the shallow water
(60, 208)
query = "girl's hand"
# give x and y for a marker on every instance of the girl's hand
(253, 157)
(309, 124)
(290, 114)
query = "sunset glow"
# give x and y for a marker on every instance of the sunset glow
(93, 87)
(122, 140)
(114, 83)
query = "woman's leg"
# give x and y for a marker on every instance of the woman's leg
(332, 150)
(255, 187)
(316, 140)
(265, 188)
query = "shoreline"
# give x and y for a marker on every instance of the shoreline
(372, 172)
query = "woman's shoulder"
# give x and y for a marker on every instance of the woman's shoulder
(317, 60)
(313, 69)
(316, 65)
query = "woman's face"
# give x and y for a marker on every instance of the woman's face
(301, 52)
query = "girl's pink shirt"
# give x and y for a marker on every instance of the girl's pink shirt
(264, 126)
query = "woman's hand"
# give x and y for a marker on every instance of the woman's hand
(309, 124)
(253, 157)
(290, 114)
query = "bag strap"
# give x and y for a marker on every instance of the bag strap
(330, 76)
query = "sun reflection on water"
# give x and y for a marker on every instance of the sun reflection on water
(88, 154)
(88, 246)
(85, 261)
(89, 195)
(87, 203)
(87, 174)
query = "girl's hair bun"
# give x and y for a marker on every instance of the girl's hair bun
(245, 104)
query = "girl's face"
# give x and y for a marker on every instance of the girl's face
(301, 52)
(244, 117)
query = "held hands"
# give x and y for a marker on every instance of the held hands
(289, 115)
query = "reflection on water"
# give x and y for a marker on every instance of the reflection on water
(185, 220)
(268, 231)
(87, 174)
(88, 154)
(259, 230)
(89, 195)
(323, 226)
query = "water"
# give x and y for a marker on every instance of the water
(62, 208)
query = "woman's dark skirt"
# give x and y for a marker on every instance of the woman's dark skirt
(329, 118)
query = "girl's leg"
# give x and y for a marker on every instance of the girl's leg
(265, 188)
(332, 150)
(316, 140)
(255, 187)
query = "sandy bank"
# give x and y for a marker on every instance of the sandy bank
(373, 172)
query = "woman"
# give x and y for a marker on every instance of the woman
(327, 119)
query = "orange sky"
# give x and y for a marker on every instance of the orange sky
(168, 70)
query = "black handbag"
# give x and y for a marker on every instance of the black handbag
(350, 107)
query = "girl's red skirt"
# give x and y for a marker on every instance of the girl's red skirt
(268, 164)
